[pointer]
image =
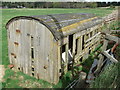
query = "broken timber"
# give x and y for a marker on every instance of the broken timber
(110, 57)
(105, 43)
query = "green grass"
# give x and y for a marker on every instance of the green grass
(109, 78)
(115, 25)
(14, 79)
(7, 14)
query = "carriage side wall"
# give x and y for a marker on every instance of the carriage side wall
(33, 50)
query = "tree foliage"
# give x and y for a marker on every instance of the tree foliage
(57, 4)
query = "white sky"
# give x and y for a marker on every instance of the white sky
(62, 0)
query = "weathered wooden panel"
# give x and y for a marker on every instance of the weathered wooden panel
(34, 50)
(17, 43)
(23, 46)
(10, 48)
(46, 53)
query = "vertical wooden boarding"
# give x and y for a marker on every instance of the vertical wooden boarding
(40, 53)
(37, 44)
(93, 33)
(10, 43)
(56, 69)
(41, 50)
(80, 45)
(81, 41)
(18, 33)
(86, 50)
(14, 46)
(59, 59)
(23, 46)
(74, 42)
(66, 62)
(17, 43)
(46, 53)
(28, 36)
(26, 45)
(51, 59)
(33, 48)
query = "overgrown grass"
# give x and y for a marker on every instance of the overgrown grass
(110, 77)
(14, 79)
(115, 25)
(11, 78)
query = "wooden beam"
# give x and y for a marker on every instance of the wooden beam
(92, 42)
(101, 57)
(93, 37)
(114, 30)
(110, 57)
(113, 38)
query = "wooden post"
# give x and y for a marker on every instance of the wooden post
(73, 65)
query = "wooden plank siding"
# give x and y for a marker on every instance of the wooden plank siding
(36, 49)
(45, 63)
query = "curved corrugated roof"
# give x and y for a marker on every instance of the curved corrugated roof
(63, 24)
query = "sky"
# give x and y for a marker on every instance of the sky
(62, 0)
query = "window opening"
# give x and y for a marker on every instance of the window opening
(82, 42)
(90, 34)
(32, 69)
(32, 74)
(76, 49)
(81, 59)
(32, 53)
(31, 41)
(18, 68)
(64, 52)
(71, 42)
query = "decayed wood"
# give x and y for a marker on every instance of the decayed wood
(101, 57)
(110, 57)
(59, 60)
(107, 37)
(79, 49)
(74, 42)
(114, 30)
(110, 37)
(92, 42)
(96, 35)
(66, 62)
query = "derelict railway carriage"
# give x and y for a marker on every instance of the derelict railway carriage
(42, 46)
